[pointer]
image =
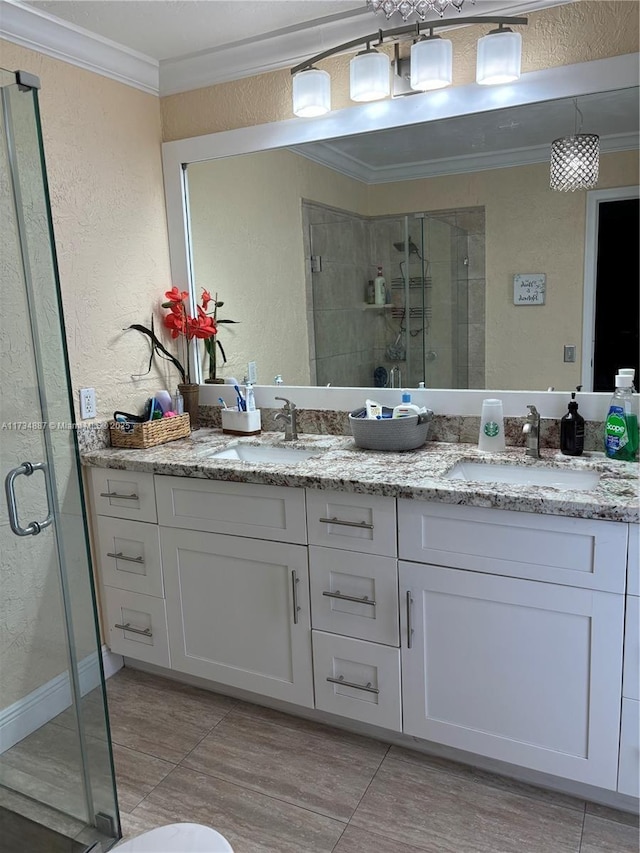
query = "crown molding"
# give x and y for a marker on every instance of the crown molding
(325, 154)
(36, 30)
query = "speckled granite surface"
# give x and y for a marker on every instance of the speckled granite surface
(418, 474)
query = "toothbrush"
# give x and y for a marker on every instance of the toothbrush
(222, 403)
(242, 406)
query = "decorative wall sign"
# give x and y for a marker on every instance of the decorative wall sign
(529, 288)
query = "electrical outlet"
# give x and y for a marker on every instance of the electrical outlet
(87, 403)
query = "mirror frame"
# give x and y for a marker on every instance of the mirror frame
(566, 81)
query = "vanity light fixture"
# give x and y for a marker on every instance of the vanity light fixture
(420, 8)
(431, 63)
(575, 160)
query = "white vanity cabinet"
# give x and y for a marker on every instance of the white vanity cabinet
(519, 669)
(629, 767)
(237, 605)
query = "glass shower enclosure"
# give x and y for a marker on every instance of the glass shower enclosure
(57, 788)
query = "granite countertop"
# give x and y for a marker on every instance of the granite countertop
(419, 474)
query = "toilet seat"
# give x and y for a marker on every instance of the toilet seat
(177, 838)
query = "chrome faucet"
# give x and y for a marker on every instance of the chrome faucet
(288, 415)
(531, 429)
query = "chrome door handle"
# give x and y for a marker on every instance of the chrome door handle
(295, 580)
(409, 628)
(340, 680)
(146, 632)
(365, 525)
(121, 497)
(337, 594)
(35, 527)
(120, 556)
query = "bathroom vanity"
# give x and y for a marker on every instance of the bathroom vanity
(486, 617)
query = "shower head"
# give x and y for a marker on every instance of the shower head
(400, 247)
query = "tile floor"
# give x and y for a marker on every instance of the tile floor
(272, 783)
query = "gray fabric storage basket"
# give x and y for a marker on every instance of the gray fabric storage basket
(391, 433)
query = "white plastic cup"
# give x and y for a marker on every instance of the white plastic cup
(491, 438)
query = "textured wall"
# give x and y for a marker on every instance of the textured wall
(102, 146)
(563, 35)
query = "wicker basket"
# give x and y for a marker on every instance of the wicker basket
(149, 433)
(393, 434)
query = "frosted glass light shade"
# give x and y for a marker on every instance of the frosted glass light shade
(431, 64)
(369, 74)
(575, 162)
(499, 58)
(311, 93)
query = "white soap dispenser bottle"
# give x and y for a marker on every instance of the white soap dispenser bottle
(380, 288)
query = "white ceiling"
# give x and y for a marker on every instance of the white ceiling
(170, 46)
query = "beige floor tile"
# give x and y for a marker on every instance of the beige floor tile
(608, 836)
(492, 779)
(445, 812)
(354, 840)
(136, 775)
(251, 822)
(607, 813)
(310, 766)
(161, 717)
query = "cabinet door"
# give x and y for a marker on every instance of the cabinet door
(238, 612)
(123, 494)
(352, 522)
(628, 778)
(128, 554)
(524, 672)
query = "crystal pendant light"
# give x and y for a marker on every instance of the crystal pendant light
(499, 57)
(420, 8)
(575, 160)
(369, 73)
(311, 93)
(431, 64)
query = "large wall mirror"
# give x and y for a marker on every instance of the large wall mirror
(452, 209)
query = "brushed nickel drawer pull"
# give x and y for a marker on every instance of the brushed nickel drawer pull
(338, 594)
(294, 585)
(367, 686)
(121, 497)
(146, 632)
(121, 556)
(409, 628)
(364, 525)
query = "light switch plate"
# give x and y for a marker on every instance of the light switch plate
(569, 352)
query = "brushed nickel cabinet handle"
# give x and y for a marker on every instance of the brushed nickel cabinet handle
(364, 525)
(146, 632)
(121, 556)
(295, 580)
(364, 600)
(121, 497)
(409, 628)
(340, 680)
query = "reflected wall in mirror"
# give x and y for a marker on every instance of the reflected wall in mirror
(253, 239)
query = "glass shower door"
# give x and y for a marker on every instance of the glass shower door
(55, 754)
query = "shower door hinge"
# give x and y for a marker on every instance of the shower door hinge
(105, 824)
(316, 263)
(26, 82)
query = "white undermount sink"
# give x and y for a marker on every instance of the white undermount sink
(524, 475)
(253, 453)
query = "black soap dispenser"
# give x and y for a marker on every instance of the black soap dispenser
(572, 430)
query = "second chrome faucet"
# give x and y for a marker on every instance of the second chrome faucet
(531, 429)
(288, 415)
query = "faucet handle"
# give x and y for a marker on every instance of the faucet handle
(289, 406)
(533, 412)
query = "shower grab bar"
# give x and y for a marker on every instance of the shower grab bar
(34, 527)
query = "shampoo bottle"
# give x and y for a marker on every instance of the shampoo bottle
(380, 288)
(572, 430)
(621, 426)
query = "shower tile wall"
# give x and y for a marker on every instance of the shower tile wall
(341, 329)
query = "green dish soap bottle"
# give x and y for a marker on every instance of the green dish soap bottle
(621, 426)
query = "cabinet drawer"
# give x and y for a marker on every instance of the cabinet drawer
(365, 680)
(144, 613)
(571, 551)
(628, 782)
(129, 555)
(240, 509)
(631, 671)
(123, 494)
(365, 523)
(337, 577)
(633, 565)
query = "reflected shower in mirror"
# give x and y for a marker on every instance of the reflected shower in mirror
(452, 210)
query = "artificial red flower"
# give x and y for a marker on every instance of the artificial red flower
(175, 320)
(175, 295)
(206, 299)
